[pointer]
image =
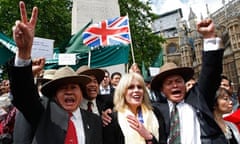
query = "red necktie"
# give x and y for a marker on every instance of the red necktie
(89, 104)
(71, 136)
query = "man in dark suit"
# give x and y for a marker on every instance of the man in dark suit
(50, 119)
(197, 124)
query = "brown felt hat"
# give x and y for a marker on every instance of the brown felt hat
(85, 70)
(63, 75)
(169, 69)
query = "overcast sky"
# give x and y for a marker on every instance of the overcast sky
(198, 6)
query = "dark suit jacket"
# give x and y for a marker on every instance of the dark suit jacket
(201, 97)
(112, 134)
(107, 99)
(48, 120)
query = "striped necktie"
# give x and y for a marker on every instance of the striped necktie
(174, 136)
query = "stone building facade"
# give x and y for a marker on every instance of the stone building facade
(189, 44)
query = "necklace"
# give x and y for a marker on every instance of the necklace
(228, 133)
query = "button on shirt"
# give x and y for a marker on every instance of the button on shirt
(189, 124)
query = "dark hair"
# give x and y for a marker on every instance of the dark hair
(106, 71)
(226, 78)
(116, 73)
(221, 91)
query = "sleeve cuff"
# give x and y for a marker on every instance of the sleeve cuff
(213, 44)
(21, 62)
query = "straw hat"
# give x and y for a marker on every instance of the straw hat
(170, 69)
(47, 75)
(85, 70)
(63, 75)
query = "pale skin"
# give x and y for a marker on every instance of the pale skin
(23, 32)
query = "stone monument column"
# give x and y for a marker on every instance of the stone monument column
(97, 10)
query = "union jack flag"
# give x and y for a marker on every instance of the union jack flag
(108, 32)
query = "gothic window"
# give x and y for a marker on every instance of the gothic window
(171, 48)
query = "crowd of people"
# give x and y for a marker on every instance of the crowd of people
(92, 106)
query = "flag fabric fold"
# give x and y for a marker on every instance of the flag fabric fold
(108, 32)
(75, 44)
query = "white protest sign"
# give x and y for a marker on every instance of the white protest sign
(67, 59)
(154, 71)
(42, 48)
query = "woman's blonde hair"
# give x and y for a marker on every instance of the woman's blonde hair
(121, 89)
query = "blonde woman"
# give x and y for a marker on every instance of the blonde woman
(134, 121)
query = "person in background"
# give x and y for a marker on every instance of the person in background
(134, 68)
(92, 101)
(190, 83)
(115, 78)
(224, 105)
(106, 90)
(133, 119)
(227, 84)
(58, 119)
(104, 87)
(7, 114)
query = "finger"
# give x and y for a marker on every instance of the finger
(23, 12)
(34, 16)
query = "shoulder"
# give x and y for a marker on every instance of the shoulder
(89, 115)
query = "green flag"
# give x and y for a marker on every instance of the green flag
(75, 44)
(100, 57)
(159, 60)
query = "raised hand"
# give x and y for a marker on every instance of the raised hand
(38, 65)
(24, 30)
(206, 28)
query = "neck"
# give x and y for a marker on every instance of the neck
(134, 109)
(220, 121)
(218, 116)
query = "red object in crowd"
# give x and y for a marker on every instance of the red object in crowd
(234, 118)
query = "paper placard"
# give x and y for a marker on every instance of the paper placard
(67, 59)
(42, 48)
(154, 71)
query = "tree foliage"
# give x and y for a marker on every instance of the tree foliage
(54, 18)
(146, 44)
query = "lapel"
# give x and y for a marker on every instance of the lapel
(85, 125)
(163, 107)
(58, 116)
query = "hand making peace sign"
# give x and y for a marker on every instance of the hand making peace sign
(24, 30)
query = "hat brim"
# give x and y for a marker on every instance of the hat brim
(49, 88)
(43, 80)
(98, 73)
(185, 72)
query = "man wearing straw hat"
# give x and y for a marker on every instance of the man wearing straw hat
(58, 120)
(192, 109)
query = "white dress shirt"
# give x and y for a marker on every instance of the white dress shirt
(78, 123)
(189, 124)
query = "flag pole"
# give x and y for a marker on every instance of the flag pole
(89, 58)
(131, 40)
